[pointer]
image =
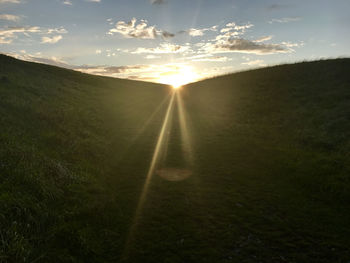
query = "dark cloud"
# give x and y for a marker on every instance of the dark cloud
(166, 34)
(105, 70)
(245, 46)
(158, 2)
(277, 7)
(182, 32)
(124, 69)
(146, 34)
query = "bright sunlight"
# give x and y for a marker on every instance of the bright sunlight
(179, 76)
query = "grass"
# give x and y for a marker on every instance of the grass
(270, 175)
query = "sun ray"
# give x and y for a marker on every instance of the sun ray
(145, 124)
(159, 151)
(185, 135)
(148, 121)
(195, 17)
(154, 162)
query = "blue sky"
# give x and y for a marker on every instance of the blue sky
(161, 40)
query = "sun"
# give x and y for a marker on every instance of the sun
(181, 75)
(175, 86)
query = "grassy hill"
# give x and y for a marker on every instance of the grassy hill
(266, 154)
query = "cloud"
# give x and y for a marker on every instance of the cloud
(244, 46)
(9, 17)
(10, 1)
(111, 70)
(214, 59)
(257, 62)
(133, 30)
(67, 2)
(197, 32)
(51, 40)
(141, 30)
(208, 58)
(157, 2)
(110, 21)
(164, 48)
(239, 29)
(151, 57)
(290, 44)
(167, 35)
(276, 7)
(59, 30)
(54, 61)
(94, 1)
(285, 20)
(233, 30)
(162, 73)
(147, 72)
(13, 30)
(194, 32)
(263, 39)
(7, 35)
(230, 40)
(4, 40)
(97, 70)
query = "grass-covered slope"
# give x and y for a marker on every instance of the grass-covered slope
(61, 133)
(269, 175)
(301, 109)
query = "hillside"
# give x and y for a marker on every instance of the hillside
(265, 153)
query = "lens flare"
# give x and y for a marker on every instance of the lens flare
(155, 159)
(185, 134)
(173, 174)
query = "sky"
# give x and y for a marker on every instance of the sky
(173, 41)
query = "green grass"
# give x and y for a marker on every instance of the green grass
(270, 175)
